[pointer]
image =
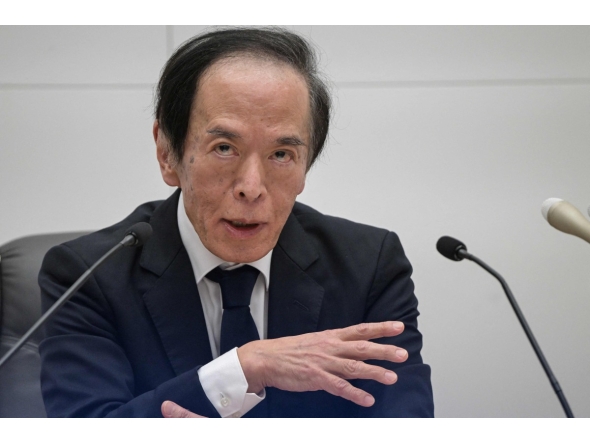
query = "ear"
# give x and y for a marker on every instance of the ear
(165, 157)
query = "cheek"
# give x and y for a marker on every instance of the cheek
(286, 190)
(207, 190)
(301, 184)
(297, 182)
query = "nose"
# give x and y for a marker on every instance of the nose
(250, 185)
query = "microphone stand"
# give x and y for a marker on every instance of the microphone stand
(463, 254)
(129, 241)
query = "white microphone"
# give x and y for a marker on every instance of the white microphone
(565, 217)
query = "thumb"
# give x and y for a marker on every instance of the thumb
(173, 410)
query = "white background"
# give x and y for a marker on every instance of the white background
(459, 131)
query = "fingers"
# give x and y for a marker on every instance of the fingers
(324, 360)
(340, 387)
(365, 350)
(371, 331)
(173, 410)
(351, 369)
(357, 346)
(335, 382)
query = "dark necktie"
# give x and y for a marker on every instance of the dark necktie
(237, 326)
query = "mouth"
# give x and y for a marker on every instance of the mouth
(242, 226)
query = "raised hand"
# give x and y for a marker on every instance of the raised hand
(323, 361)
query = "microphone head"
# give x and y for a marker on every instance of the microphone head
(565, 217)
(546, 206)
(449, 247)
(141, 231)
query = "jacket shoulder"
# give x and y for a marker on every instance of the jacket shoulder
(313, 221)
(347, 245)
(91, 247)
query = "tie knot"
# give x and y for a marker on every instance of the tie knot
(236, 285)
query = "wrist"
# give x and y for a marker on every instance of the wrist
(252, 366)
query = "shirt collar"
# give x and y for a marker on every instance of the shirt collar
(202, 260)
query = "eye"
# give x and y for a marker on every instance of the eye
(224, 149)
(282, 156)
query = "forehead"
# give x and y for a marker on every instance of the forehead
(253, 83)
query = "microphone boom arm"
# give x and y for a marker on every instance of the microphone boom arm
(134, 237)
(62, 300)
(463, 254)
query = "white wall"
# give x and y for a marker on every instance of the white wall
(76, 150)
(438, 130)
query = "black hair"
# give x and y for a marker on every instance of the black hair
(181, 74)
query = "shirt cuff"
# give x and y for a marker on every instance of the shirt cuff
(225, 385)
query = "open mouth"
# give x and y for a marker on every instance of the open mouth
(242, 226)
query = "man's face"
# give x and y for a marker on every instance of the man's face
(245, 155)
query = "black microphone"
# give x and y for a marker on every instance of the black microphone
(451, 248)
(456, 250)
(135, 236)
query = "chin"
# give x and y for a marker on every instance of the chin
(242, 257)
(239, 247)
(241, 254)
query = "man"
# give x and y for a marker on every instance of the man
(241, 116)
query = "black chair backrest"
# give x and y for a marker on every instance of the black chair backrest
(20, 307)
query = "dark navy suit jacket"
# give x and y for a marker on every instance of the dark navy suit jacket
(135, 335)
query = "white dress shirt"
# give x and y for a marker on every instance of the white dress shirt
(223, 379)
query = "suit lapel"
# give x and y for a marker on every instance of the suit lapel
(295, 299)
(173, 301)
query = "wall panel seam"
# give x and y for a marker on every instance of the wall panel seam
(78, 86)
(461, 83)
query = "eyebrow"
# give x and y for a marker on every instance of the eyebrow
(287, 140)
(223, 133)
(291, 141)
